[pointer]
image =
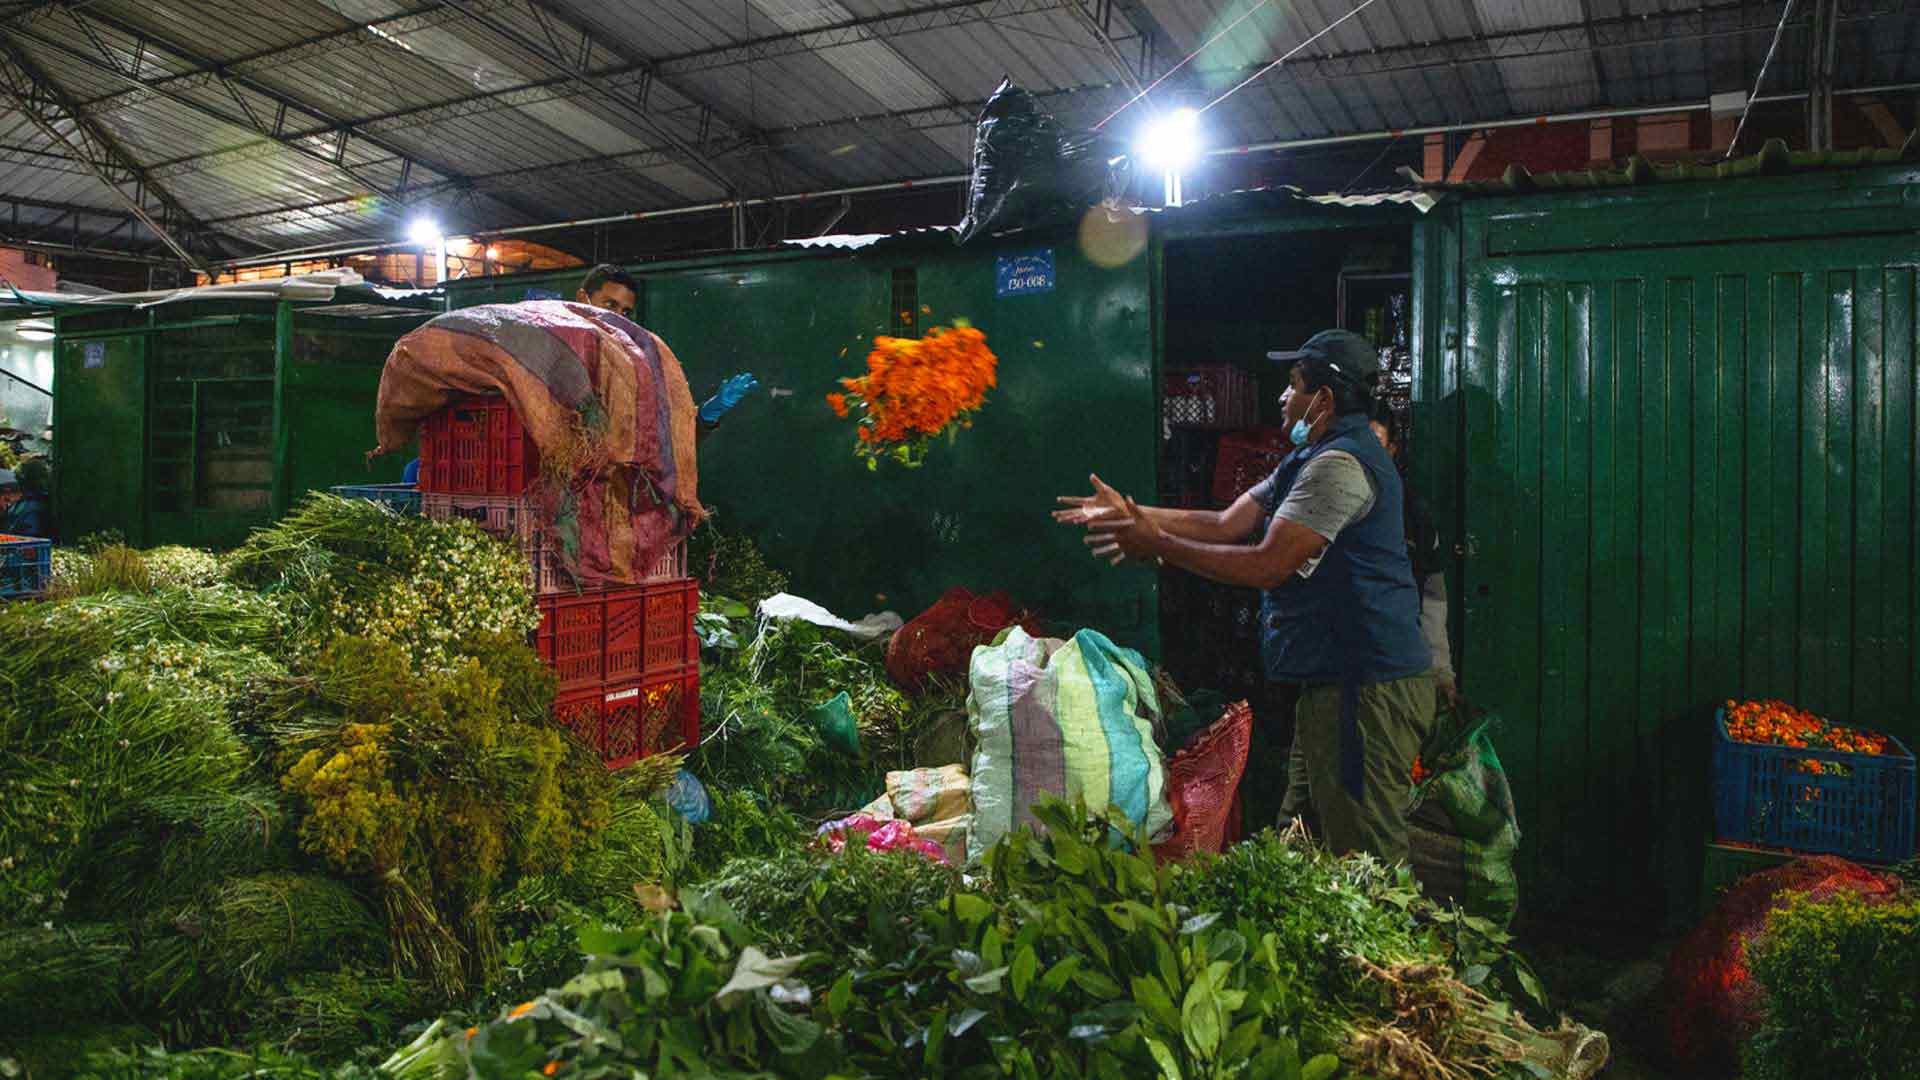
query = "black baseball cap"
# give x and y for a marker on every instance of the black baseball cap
(1341, 353)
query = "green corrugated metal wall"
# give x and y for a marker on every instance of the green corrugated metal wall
(100, 413)
(1689, 451)
(196, 422)
(1075, 393)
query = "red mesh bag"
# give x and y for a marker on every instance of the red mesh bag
(1713, 1001)
(1203, 785)
(941, 639)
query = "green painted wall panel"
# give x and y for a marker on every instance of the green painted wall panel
(1076, 394)
(329, 415)
(1688, 476)
(100, 438)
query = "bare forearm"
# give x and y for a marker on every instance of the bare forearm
(1202, 526)
(1262, 566)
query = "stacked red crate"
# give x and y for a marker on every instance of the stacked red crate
(626, 657)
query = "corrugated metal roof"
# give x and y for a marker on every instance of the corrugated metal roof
(784, 95)
(1774, 159)
(333, 287)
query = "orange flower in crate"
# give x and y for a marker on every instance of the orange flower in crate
(1777, 723)
(916, 388)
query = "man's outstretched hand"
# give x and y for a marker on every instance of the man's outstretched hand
(1132, 536)
(1083, 509)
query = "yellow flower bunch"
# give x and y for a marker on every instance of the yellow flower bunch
(356, 818)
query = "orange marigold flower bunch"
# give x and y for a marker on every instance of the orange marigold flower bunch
(1777, 723)
(916, 388)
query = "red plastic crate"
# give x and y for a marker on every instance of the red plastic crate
(477, 446)
(1217, 397)
(1246, 458)
(516, 519)
(625, 722)
(619, 634)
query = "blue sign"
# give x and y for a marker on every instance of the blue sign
(542, 294)
(95, 354)
(1028, 272)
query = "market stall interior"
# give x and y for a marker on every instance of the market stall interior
(1051, 539)
(1227, 303)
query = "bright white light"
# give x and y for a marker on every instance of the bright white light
(34, 331)
(425, 231)
(493, 253)
(1171, 140)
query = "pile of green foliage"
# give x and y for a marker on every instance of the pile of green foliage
(1841, 990)
(256, 809)
(799, 899)
(354, 568)
(728, 563)
(1080, 959)
(757, 708)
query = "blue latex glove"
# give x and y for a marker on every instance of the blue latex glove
(731, 393)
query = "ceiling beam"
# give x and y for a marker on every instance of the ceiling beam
(110, 224)
(1712, 21)
(49, 108)
(106, 65)
(490, 183)
(330, 150)
(629, 79)
(1131, 37)
(564, 62)
(1548, 41)
(377, 33)
(570, 44)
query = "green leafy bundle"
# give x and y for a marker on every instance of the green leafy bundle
(1840, 981)
(354, 568)
(756, 707)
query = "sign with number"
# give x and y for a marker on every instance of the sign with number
(94, 354)
(1028, 272)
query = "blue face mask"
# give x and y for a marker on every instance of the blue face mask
(1301, 432)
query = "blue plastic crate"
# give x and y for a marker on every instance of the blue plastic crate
(401, 498)
(26, 565)
(1763, 795)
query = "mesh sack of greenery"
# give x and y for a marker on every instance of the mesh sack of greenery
(1840, 990)
(355, 568)
(755, 710)
(1465, 828)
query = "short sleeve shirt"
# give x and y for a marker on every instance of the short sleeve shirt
(1332, 491)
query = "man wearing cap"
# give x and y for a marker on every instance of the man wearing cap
(29, 514)
(1340, 615)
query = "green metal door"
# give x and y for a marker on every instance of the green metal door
(211, 442)
(329, 385)
(1688, 478)
(1074, 395)
(100, 409)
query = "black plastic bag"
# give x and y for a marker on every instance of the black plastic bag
(1027, 172)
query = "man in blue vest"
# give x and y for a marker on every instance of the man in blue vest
(1340, 616)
